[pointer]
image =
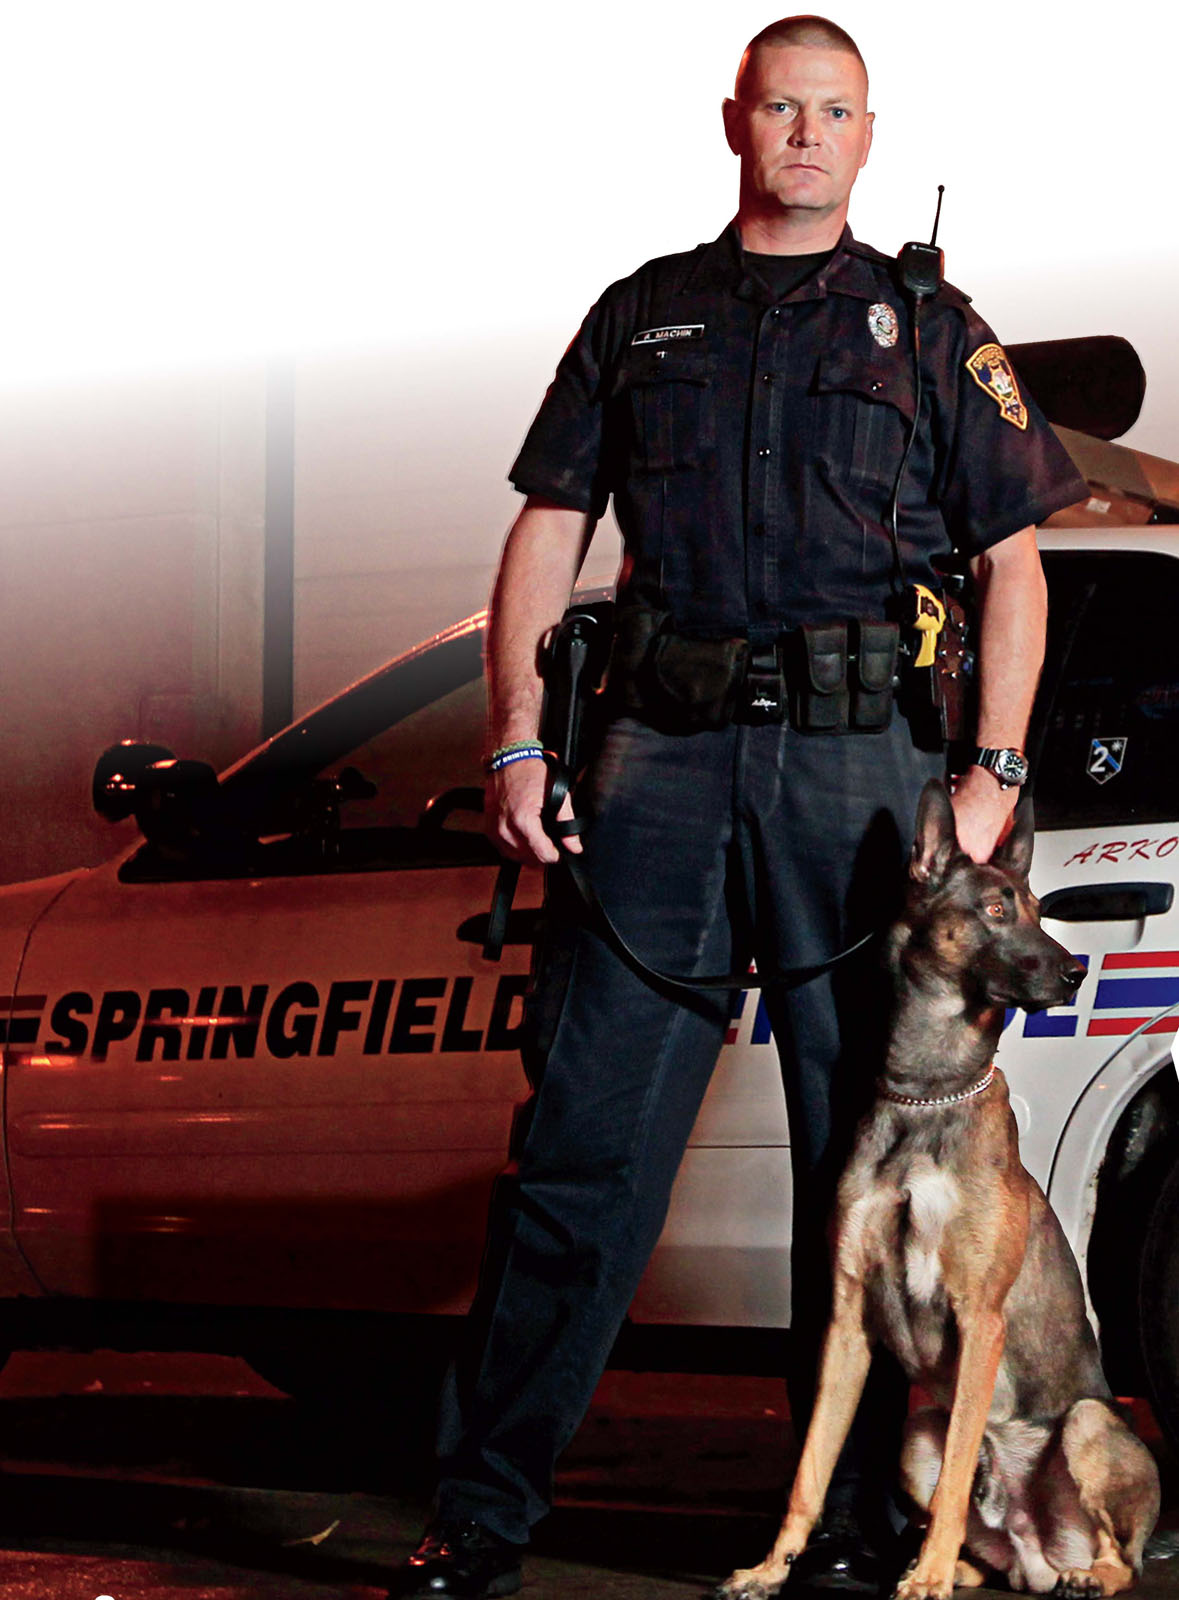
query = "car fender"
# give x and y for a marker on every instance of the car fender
(1088, 1129)
(22, 905)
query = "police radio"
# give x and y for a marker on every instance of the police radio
(922, 265)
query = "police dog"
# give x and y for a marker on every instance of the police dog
(945, 1249)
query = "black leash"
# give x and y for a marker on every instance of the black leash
(601, 921)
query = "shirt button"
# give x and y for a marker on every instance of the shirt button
(767, 377)
(759, 530)
(876, 385)
(775, 313)
(764, 451)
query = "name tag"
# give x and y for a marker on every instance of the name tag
(688, 330)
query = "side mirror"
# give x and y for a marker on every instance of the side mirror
(176, 802)
(117, 775)
(173, 801)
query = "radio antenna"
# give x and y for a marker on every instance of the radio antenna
(937, 216)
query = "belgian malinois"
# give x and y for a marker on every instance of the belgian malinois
(945, 1249)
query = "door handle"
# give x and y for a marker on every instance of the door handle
(1108, 902)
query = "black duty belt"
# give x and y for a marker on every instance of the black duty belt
(826, 678)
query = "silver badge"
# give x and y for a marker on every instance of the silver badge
(882, 322)
(1106, 757)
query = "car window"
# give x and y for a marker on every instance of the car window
(362, 812)
(436, 750)
(1108, 714)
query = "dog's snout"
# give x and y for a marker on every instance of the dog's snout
(1043, 974)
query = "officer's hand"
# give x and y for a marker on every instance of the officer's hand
(982, 811)
(515, 796)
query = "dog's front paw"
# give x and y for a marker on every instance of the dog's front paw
(753, 1583)
(924, 1583)
(1079, 1583)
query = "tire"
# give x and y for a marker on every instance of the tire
(1158, 1306)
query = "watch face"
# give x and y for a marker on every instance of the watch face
(1010, 767)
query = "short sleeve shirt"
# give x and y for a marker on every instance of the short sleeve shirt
(751, 444)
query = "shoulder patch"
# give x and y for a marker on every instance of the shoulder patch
(991, 370)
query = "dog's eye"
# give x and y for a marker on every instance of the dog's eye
(996, 909)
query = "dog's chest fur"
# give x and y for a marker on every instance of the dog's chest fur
(899, 1202)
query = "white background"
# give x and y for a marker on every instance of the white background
(183, 182)
(419, 201)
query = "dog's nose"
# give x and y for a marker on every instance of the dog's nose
(1073, 975)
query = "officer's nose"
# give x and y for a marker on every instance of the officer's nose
(804, 131)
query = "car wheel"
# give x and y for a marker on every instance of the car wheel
(1158, 1304)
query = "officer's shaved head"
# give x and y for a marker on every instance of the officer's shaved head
(814, 33)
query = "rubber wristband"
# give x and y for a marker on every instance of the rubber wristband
(513, 744)
(511, 754)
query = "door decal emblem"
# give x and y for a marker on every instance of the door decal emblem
(1106, 758)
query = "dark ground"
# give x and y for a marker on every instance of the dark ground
(185, 1478)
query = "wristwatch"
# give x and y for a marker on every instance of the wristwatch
(1009, 766)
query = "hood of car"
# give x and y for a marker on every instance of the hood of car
(21, 903)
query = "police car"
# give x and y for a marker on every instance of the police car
(259, 1077)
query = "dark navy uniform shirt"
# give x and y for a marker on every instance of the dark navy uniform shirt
(751, 444)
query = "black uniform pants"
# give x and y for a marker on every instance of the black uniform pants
(706, 848)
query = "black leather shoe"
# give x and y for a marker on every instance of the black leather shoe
(461, 1559)
(837, 1557)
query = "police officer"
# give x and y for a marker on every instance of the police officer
(747, 405)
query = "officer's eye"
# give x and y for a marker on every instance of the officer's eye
(782, 108)
(840, 113)
(997, 910)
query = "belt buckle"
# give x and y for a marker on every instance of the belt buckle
(763, 693)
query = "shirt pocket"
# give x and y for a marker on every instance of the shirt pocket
(670, 407)
(863, 410)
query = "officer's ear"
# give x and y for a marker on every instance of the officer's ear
(734, 125)
(869, 119)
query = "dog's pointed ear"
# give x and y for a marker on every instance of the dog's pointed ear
(1014, 854)
(935, 839)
